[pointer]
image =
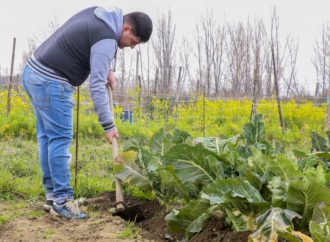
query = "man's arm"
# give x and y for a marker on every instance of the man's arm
(102, 54)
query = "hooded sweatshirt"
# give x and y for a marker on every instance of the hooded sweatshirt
(84, 45)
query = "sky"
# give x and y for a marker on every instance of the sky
(303, 19)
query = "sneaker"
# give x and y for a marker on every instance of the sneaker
(48, 204)
(68, 210)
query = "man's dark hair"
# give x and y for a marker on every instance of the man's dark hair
(141, 25)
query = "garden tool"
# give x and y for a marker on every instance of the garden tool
(127, 212)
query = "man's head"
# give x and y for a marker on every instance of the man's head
(137, 28)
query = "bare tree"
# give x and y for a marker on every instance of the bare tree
(237, 56)
(208, 27)
(32, 46)
(34, 41)
(259, 56)
(291, 79)
(280, 51)
(321, 58)
(185, 60)
(218, 46)
(164, 51)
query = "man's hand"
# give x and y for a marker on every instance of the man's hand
(110, 134)
(111, 80)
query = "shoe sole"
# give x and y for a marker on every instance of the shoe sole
(47, 208)
(52, 212)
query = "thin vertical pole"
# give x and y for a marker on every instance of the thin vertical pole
(11, 77)
(77, 141)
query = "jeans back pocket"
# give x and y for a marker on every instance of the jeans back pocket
(38, 90)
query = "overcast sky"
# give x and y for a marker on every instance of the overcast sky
(302, 18)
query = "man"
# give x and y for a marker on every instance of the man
(85, 44)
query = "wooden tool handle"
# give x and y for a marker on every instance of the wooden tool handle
(114, 142)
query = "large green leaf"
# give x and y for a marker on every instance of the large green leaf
(194, 163)
(191, 218)
(322, 154)
(319, 226)
(160, 142)
(216, 144)
(304, 194)
(273, 222)
(165, 138)
(319, 143)
(279, 189)
(170, 181)
(283, 167)
(254, 131)
(239, 221)
(233, 192)
(129, 172)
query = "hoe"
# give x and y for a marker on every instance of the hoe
(123, 210)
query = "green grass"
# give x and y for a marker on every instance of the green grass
(131, 231)
(5, 219)
(21, 177)
(47, 233)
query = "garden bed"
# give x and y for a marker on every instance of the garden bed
(154, 223)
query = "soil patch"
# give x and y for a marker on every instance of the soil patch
(216, 230)
(28, 222)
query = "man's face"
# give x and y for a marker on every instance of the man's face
(128, 39)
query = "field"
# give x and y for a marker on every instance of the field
(200, 169)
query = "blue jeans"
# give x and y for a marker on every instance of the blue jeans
(53, 107)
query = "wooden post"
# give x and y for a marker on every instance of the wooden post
(277, 91)
(11, 77)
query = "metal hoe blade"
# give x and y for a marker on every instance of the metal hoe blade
(131, 213)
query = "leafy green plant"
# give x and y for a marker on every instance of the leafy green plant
(319, 226)
(276, 223)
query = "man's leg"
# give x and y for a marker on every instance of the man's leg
(43, 157)
(41, 135)
(53, 103)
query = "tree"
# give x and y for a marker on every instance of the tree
(321, 58)
(163, 47)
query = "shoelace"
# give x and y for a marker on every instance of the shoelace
(73, 207)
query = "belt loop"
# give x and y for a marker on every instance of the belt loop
(62, 89)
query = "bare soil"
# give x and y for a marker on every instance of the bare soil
(102, 226)
(216, 230)
(24, 226)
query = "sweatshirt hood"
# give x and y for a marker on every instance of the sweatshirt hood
(113, 17)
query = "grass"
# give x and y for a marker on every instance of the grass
(20, 171)
(131, 231)
(47, 233)
(5, 219)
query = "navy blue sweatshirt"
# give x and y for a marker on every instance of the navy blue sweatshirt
(84, 45)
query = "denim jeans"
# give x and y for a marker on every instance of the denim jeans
(53, 107)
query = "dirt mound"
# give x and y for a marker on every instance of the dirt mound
(215, 230)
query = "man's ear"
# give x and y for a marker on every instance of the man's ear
(127, 27)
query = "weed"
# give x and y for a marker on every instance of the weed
(131, 231)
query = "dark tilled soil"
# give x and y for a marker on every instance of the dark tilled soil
(215, 230)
